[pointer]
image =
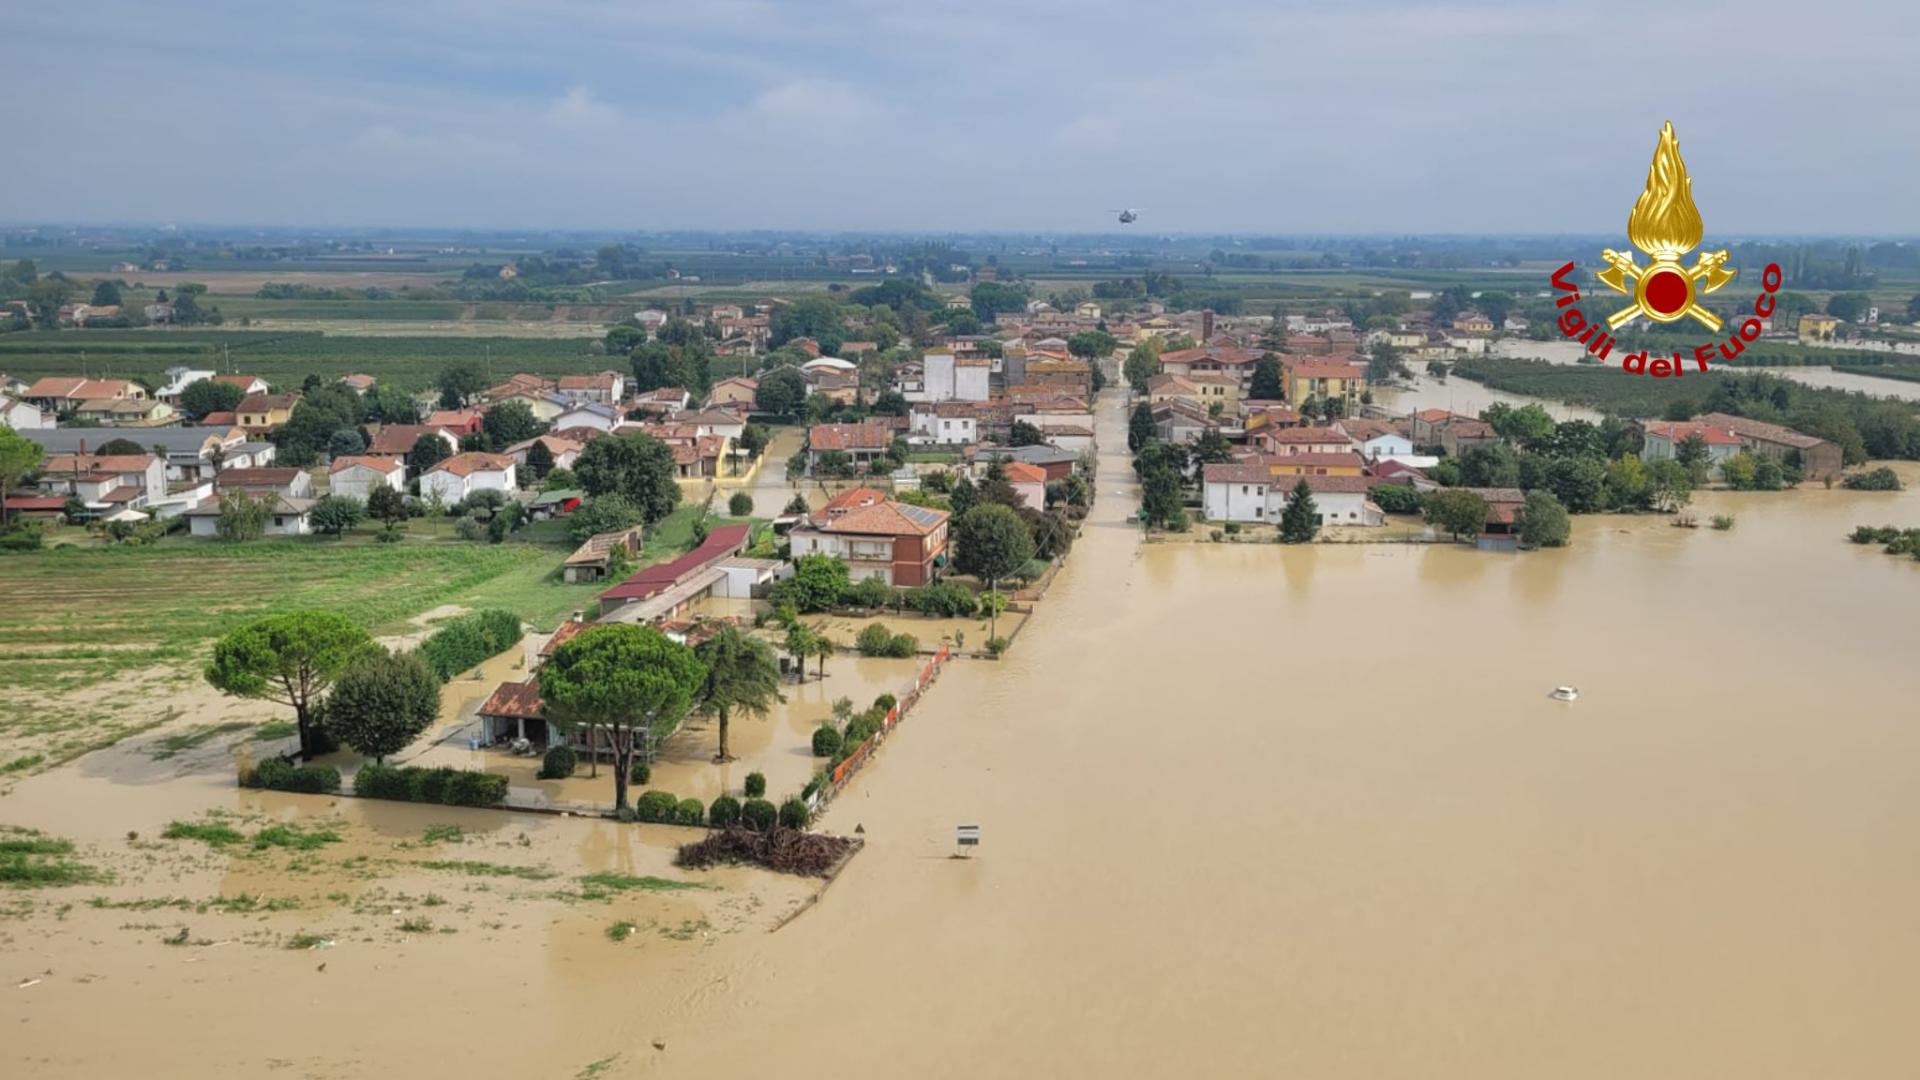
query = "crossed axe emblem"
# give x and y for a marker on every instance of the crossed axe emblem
(1672, 299)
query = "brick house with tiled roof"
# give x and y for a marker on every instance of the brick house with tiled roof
(896, 542)
(862, 442)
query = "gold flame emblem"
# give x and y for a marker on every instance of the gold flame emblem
(1666, 225)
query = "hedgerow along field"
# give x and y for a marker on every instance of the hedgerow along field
(99, 634)
(285, 358)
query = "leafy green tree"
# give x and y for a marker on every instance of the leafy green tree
(206, 396)
(1629, 487)
(637, 466)
(1580, 484)
(742, 677)
(992, 543)
(782, 392)
(632, 682)
(1267, 382)
(460, 382)
(1212, 448)
(1140, 427)
(1738, 471)
(753, 439)
(106, 293)
(1544, 521)
(387, 505)
(740, 505)
(19, 457)
(1849, 306)
(382, 702)
(335, 514)
(604, 513)
(963, 496)
(539, 461)
(1528, 425)
(1669, 485)
(799, 644)
(823, 649)
(1300, 521)
(1458, 512)
(1160, 497)
(242, 517)
(1092, 344)
(819, 582)
(345, 442)
(992, 298)
(511, 422)
(1025, 434)
(428, 450)
(1693, 455)
(1142, 364)
(817, 317)
(291, 658)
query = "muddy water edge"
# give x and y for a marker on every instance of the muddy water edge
(1247, 811)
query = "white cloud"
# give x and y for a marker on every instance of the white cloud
(578, 109)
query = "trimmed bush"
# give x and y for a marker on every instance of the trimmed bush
(885, 703)
(756, 785)
(559, 763)
(445, 785)
(758, 815)
(656, 806)
(689, 812)
(641, 773)
(943, 600)
(794, 813)
(875, 640)
(825, 741)
(466, 640)
(279, 774)
(725, 812)
(997, 646)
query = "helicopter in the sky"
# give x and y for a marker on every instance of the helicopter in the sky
(1127, 216)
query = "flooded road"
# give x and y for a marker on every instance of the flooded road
(1246, 811)
(1257, 811)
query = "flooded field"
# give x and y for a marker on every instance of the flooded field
(1247, 811)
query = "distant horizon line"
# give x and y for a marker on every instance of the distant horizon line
(1729, 236)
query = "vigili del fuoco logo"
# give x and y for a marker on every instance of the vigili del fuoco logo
(1665, 225)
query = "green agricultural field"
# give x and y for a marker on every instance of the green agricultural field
(286, 358)
(106, 633)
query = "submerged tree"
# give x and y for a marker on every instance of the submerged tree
(629, 681)
(1300, 521)
(741, 678)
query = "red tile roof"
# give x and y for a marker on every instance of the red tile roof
(853, 499)
(566, 632)
(515, 700)
(660, 577)
(866, 436)
(1679, 432)
(377, 464)
(1236, 474)
(1305, 436)
(472, 462)
(888, 519)
(397, 439)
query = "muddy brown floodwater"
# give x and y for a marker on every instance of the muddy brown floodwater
(1249, 811)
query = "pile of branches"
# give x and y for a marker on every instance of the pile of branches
(789, 851)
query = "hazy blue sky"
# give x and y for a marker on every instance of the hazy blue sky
(1255, 116)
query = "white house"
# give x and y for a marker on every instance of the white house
(21, 416)
(285, 517)
(945, 423)
(588, 415)
(1251, 493)
(463, 474)
(179, 378)
(563, 451)
(1235, 492)
(946, 377)
(358, 476)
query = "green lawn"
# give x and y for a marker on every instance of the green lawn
(91, 615)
